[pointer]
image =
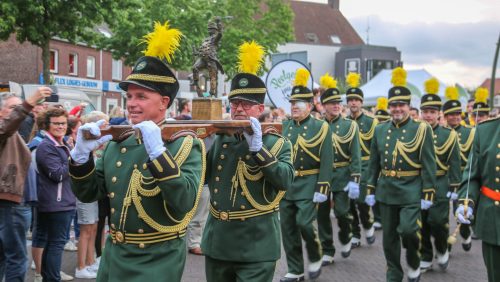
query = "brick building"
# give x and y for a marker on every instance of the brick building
(82, 67)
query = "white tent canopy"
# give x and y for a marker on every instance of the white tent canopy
(379, 86)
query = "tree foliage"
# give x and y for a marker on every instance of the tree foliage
(37, 21)
(269, 22)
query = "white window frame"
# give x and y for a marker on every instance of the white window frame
(56, 61)
(75, 64)
(110, 104)
(116, 69)
(91, 73)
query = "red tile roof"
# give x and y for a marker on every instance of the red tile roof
(324, 21)
(487, 82)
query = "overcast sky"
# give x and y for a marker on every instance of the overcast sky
(454, 40)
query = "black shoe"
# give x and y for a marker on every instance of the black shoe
(356, 245)
(416, 279)
(345, 254)
(444, 266)
(286, 279)
(327, 262)
(370, 240)
(466, 246)
(315, 274)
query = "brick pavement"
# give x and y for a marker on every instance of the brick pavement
(366, 263)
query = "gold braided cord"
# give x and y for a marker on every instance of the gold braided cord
(248, 91)
(336, 97)
(405, 148)
(305, 95)
(400, 98)
(338, 141)
(465, 148)
(455, 109)
(311, 143)
(444, 149)
(136, 199)
(151, 77)
(367, 137)
(277, 146)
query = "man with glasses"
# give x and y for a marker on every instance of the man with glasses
(402, 176)
(15, 159)
(312, 160)
(247, 175)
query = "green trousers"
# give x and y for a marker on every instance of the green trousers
(297, 218)
(491, 257)
(364, 216)
(230, 271)
(344, 219)
(435, 223)
(400, 223)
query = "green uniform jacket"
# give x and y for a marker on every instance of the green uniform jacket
(347, 153)
(312, 157)
(366, 125)
(465, 137)
(447, 161)
(484, 166)
(149, 200)
(403, 155)
(247, 188)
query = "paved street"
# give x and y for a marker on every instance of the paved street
(366, 263)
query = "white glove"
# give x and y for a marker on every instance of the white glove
(452, 195)
(151, 136)
(461, 216)
(319, 198)
(83, 147)
(353, 189)
(254, 140)
(370, 200)
(425, 205)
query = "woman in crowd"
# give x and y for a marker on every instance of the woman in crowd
(56, 201)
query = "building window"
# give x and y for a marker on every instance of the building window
(335, 39)
(73, 64)
(116, 70)
(90, 66)
(312, 37)
(54, 61)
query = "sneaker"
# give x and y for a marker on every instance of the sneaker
(289, 277)
(95, 266)
(38, 277)
(377, 225)
(467, 244)
(370, 235)
(33, 266)
(326, 260)
(65, 277)
(70, 246)
(413, 274)
(345, 250)
(443, 260)
(85, 273)
(425, 266)
(314, 269)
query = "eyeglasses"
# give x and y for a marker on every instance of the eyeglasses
(59, 123)
(244, 104)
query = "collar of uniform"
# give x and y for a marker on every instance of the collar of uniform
(403, 122)
(302, 121)
(333, 120)
(435, 126)
(456, 128)
(358, 117)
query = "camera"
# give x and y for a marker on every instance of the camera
(52, 98)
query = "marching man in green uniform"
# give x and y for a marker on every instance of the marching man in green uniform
(435, 221)
(480, 109)
(346, 173)
(247, 176)
(312, 160)
(452, 110)
(366, 126)
(153, 186)
(479, 194)
(382, 115)
(402, 153)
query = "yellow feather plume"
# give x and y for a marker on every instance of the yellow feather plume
(353, 79)
(162, 42)
(301, 77)
(382, 103)
(451, 93)
(398, 77)
(432, 86)
(327, 81)
(251, 57)
(481, 95)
